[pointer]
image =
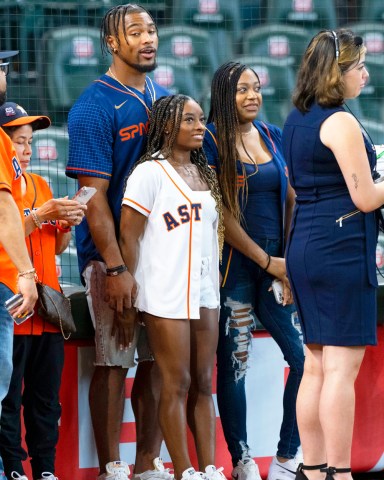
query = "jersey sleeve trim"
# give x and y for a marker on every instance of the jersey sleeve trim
(136, 206)
(79, 171)
(5, 186)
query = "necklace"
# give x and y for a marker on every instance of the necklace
(247, 133)
(188, 168)
(151, 91)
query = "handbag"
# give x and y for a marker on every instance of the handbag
(55, 307)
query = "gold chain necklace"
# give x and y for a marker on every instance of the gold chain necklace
(152, 93)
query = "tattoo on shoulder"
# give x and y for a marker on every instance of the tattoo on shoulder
(356, 180)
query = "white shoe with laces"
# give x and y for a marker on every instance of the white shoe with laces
(213, 473)
(17, 476)
(191, 474)
(283, 470)
(159, 472)
(246, 469)
(116, 470)
(48, 476)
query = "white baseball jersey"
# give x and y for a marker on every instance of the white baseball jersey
(168, 271)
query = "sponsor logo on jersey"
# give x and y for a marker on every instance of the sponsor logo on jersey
(121, 104)
(129, 133)
(184, 214)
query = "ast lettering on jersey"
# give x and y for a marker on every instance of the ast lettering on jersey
(129, 133)
(16, 168)
(184, 216)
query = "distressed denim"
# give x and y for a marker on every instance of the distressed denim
(240, 306)
(6, 348)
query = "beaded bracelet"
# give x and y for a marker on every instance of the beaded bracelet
(63, 229)
(268, 262)
(114, 271)
(36, 220)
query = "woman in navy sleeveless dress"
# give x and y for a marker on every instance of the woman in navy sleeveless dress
(331, 249)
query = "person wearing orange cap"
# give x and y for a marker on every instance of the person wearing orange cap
(38, 346)
(16, 270)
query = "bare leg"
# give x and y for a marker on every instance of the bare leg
(337, 403)
(106, 401)
(169, 340)
(307, 407)
(145, 401)
(200, 408)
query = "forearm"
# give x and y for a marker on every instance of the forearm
(129, 249)
(237, 238)
(12, 235)
(62, 241)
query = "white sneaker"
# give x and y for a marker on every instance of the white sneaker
(17, 476)
(246, 469)
(191, 474)
(48, 476)
(283, 471)
(117, 470)
(159, 472)
(213, 473)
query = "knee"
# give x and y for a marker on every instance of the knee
(202, 384)
(176, 384)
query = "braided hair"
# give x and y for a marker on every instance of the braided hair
(167, 114)
(114, 19)
(223, 113)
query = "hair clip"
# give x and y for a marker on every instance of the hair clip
(358, 41)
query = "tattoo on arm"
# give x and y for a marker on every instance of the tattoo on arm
(356, 180)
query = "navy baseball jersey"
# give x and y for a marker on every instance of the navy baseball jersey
(107, 129)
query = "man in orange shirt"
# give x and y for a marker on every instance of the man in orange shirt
(16, 270)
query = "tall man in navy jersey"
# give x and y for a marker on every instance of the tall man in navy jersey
(107, 131)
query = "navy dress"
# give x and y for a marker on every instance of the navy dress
(331, 251)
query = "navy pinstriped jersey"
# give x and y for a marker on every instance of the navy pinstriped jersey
(107, 129)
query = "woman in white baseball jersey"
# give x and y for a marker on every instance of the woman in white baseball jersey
(171, 234)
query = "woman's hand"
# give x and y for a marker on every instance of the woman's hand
(277, 268)
(69, 212)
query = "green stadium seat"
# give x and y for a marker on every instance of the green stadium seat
(60, 184)
(372, 96)
(373, 36)
(50, 147)
(282, 42)
(372, 11)
(190, 45)
(311, 14)
(251, 13)
(70, 60)
(177, 77)
(277, 84)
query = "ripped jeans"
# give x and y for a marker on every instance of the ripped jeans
(239, 305)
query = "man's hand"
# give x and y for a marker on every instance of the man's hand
(120, 291)
(124, 328)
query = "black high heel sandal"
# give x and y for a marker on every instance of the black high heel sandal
(330, 471)
(300, 475)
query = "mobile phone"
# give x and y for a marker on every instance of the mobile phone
(277, 288)
(13, 302)
(84, 194)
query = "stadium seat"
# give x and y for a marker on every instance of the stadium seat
(372, 11)
(60, 184)
(373, 36)
(311, 14)
(50, 147)
(70, 59)
(190, 45)
(277, 84)
(221, 18)
(177, 77)
(251, 13)
(278, 41)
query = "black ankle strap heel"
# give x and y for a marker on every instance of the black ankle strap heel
(330, 471)
(300, 475)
